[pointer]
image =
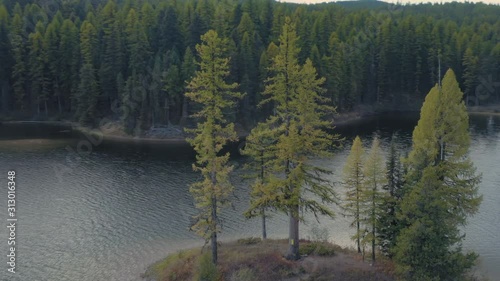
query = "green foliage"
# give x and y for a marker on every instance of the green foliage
(19, 71)
(382, 58)
(442, 187)
(207, 270)
(87, 95)
(307, 248)
(317, 248)
(388, 224)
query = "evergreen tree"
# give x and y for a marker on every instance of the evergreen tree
(173, 88)
(5, 58)
(51, 42)
(88, 89)
(19, 71)
(132, 98)
(374, 180)
(188, 69)
(70, 53)
(87, 95)
(443, 184)
(111, 51)
(210, 89)
(471, 71)
(156, 90)
(299, 121)
(389, 225)
(169, 32)
(259, 148)
(36, 68)
(352, 179)
(137, 43)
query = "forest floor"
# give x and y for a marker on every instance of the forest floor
(252, 259)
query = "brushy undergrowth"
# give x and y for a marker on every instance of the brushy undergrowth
(253, 259)
(317, 248)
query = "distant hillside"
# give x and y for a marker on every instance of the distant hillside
(129, 60)
(363, 4)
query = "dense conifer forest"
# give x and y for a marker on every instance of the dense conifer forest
(131, 61)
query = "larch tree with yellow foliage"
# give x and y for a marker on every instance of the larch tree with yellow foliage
(352, 179)
(301, 128)
(210, 89)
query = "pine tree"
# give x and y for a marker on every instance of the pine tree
(70, 53)
(87, 95)
(36, 68)
(137, 43)
(210, 89)
(389, 225)
(18, 40)
(352, 179)
(259, 148)
(188, 69)
(132, 98)
(88, 89)
(5, 58)
(173, 88)
(156, 90)
(374, 180)
(300, 111)
(442, 190)
(471, 70)
(110, 51)
(169, 31)
(336, 74)
(51, 42)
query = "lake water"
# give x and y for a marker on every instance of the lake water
(105, 211)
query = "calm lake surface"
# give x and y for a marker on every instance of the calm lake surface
(107, 212)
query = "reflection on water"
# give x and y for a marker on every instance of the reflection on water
(109, 214)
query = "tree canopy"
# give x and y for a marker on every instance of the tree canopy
(378, 55)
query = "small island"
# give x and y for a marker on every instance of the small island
(253, 259)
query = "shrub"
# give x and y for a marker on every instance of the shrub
(207, 271)
(317, 248)
(307, 248)
(324, 249)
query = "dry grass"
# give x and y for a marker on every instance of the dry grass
(255, 260)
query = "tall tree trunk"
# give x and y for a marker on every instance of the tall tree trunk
(214, 231)
(167, 112)
(264, 233)
(357, 219)
(293, 241)
(263, 211)
(214, 218)
(373, 226)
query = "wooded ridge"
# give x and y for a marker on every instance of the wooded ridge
(132, 60)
